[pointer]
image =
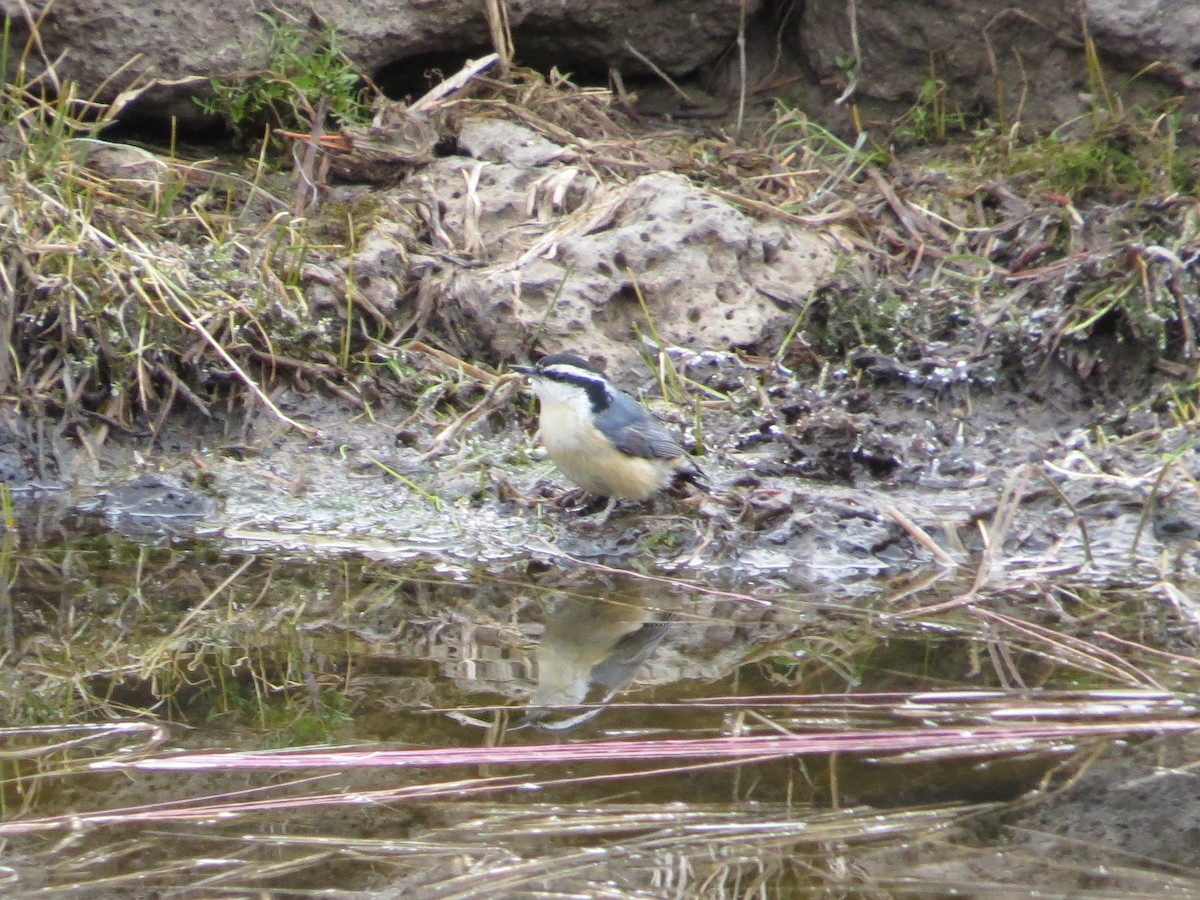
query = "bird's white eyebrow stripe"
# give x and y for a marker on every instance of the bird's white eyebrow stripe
(571, 374)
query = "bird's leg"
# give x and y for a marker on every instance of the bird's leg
(609, 506)
(593, 503)
(596, 512)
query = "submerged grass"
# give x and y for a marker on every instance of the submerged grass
(572, 836)
(269, 645)
(265, 653)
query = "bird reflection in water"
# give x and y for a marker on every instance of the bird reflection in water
(591, 649)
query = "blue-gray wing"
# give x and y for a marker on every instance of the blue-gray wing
(634, 431)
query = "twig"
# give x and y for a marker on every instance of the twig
(492, 399)
(450, 361)
(177, 384)
(454, 83)
(1102, 660)
(741, 47)
(657, 579)
(307, 191)
(1083, 532)
(921, 536)
(309, 368)
(852, 14)
(407, 482)
(1154, 489)
(1175, 658)
(472, 240)
(501, 32)
(646, 61)
(1002, 523)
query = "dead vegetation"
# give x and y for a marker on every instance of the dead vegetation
(794, 767)
(983, 686)
(138, 283)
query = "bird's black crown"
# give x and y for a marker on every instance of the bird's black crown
(566, 359)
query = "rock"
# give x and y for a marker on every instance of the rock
(499, 141)
(566, 258)
(1115, 808)
(173, 41)
(1025, 56)
(13, 470)
(1022, 60)
(379, 266)
(132, 171)
(1150, 31)
(17, 456)
(154, 496)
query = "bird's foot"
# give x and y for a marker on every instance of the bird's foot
(594, 513)
(578, 502)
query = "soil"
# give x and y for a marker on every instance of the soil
(800, 476)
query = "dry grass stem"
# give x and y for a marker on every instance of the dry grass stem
(921, 536)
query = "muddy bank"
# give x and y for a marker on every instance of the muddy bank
(820, 485)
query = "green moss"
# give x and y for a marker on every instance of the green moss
(1127, 155)
(933, 118)
(846, 316)
(344, 222)
(296, 83)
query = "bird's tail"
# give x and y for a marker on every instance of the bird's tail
(687, 472)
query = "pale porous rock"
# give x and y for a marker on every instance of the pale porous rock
(565, 257)
(381, 255)
(498, 141)
(492, 210)
(172, 41)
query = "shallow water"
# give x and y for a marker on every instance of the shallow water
(246, 651)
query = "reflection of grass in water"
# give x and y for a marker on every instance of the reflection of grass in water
(191, 633)
(239, 647)
(286, 718)
(139, 626)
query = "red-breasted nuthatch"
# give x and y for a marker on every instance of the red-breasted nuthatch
(600, 437)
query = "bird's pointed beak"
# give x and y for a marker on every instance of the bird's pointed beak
(524, 370)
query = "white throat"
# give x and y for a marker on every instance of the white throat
(560, 394)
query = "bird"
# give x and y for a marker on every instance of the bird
(600, 437)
